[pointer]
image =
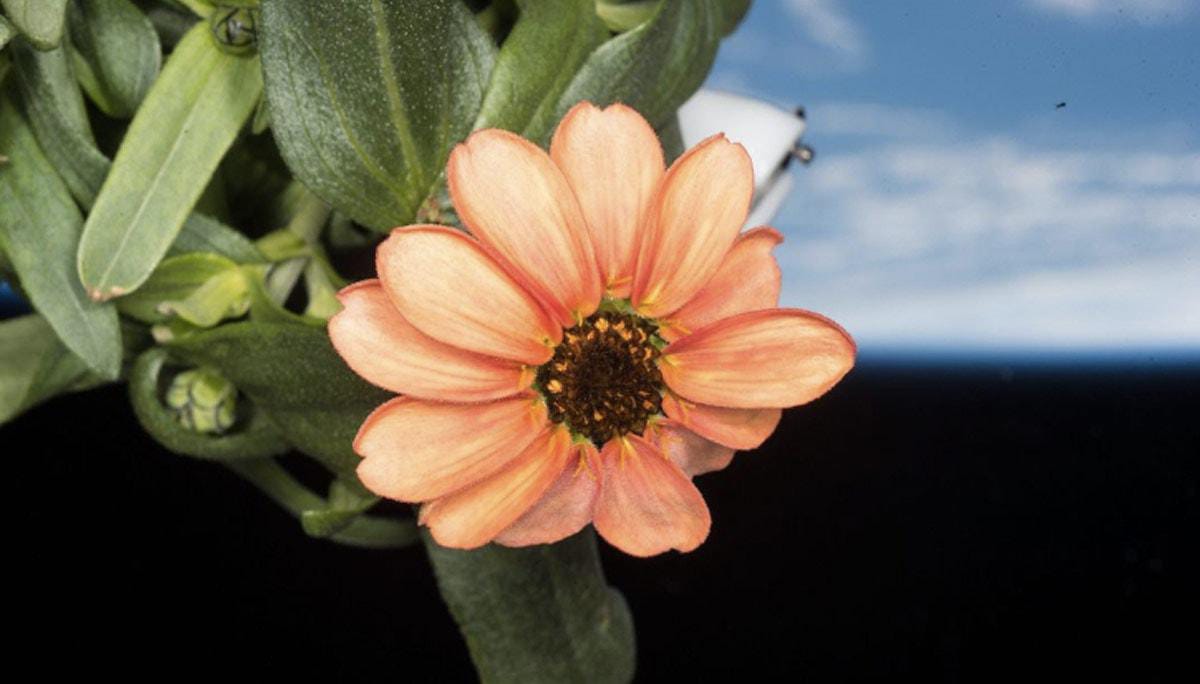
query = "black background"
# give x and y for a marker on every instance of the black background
(950, 522)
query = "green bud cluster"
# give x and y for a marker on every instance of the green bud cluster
(203, 401)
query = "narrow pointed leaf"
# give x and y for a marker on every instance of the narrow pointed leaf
(41, 21)
(50, 99)
(35, 366)
(39, 233)
(367, 97)
(116, 53)
(548, 44)
(190, 117)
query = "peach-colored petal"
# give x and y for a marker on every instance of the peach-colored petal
(378, 344)
(516, 201)
(443, 283)
(760, 359)
(732, 427)
(693, 221)
(565, 508)
(693, 454)
(647, 505)
(614, 163)
(473, 516)
(747, 280)
(416, 450)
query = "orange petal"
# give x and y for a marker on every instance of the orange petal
(760, 359)
(416, 450)
(378, 344)
(564, 509)
(693, 221)
(444, 284)
(472, 517)
(747, 280)
(693, 454)
(516, 201)
(732, 427)
(647, 505)
(614, 163)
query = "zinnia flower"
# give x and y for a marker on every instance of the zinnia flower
(602, 335)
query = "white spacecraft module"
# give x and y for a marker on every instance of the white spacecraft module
(769, 133)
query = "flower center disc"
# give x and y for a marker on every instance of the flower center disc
(603, 381)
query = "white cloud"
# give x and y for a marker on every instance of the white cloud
(877, 120)
(996, 241)
(827, 23)
(1142, 11)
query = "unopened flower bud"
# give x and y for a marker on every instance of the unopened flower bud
(203, 400)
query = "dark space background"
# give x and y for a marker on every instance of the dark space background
(965, 520)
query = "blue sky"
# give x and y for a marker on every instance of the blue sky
(952, 204)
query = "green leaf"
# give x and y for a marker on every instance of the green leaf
(116, 53)
(621, 15)
(548, 44)
(41, 21)
(672, 139)
(655, 67)
(732, 13)
(363, 531)
(347, 501)
(35, 366)
(170, 22)
(253, 436)
(51, 101)
(6, 33)
(292, 373)
(189, 119)
(367, 97)
(537, 614)
(200, 288)
(203, 234)
(39, 233)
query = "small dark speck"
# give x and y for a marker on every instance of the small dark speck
(1060, 105)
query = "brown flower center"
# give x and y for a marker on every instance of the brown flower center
(602, 381)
